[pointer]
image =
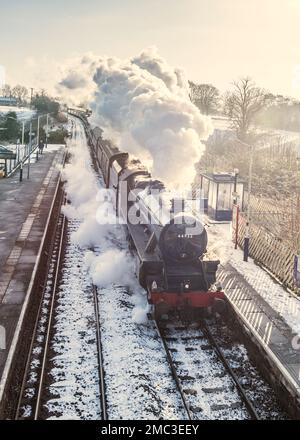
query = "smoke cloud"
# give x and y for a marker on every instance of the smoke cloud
(143, 104)
(76, 85)
(91, 207)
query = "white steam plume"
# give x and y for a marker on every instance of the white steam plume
(76, 85)
(144, 105)
(98, 228)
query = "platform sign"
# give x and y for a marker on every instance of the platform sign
(235, 224)
(297, 270)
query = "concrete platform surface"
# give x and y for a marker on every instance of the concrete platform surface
(24, 209)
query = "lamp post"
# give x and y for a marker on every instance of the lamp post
(47, 130)
(235, 194)
(21, 171)
(38, 131)
(18, 146)
(23, 127)
(23, 132)
(248, 212)
(247, 233)
(235, 208)
(30, 145)
(24, 152)
(18, 150)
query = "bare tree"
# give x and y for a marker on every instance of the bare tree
(243, 103)
(6, 91)
(204, 96)
(20, 93)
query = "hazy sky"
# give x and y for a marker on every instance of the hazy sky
(213, 40)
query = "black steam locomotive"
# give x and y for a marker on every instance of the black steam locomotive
(170, 255)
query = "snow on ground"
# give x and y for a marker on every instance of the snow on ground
(20, 149)
(74, 389)
(223, 125)
(282, 301)
(217, 397)
(23, 113)
(137, 374)
(257, 389)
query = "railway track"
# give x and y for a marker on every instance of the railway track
(65, 288)
(100, 357)
(208, 386)
(31, 392)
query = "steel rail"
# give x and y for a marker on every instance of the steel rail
(49, 326)
(246, 400)
(37, 321)
(101, 371)
(174, 372)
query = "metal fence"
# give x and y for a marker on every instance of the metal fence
(23, 156)
(266, 247)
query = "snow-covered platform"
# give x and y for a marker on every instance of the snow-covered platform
(24, 210)
(269, 313)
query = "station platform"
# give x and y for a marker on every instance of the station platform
(24, 209)
(269, 313)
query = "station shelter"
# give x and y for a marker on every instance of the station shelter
(219, 191)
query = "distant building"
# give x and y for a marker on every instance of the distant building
(8, 101)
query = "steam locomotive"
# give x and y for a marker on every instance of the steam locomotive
(171, 260)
